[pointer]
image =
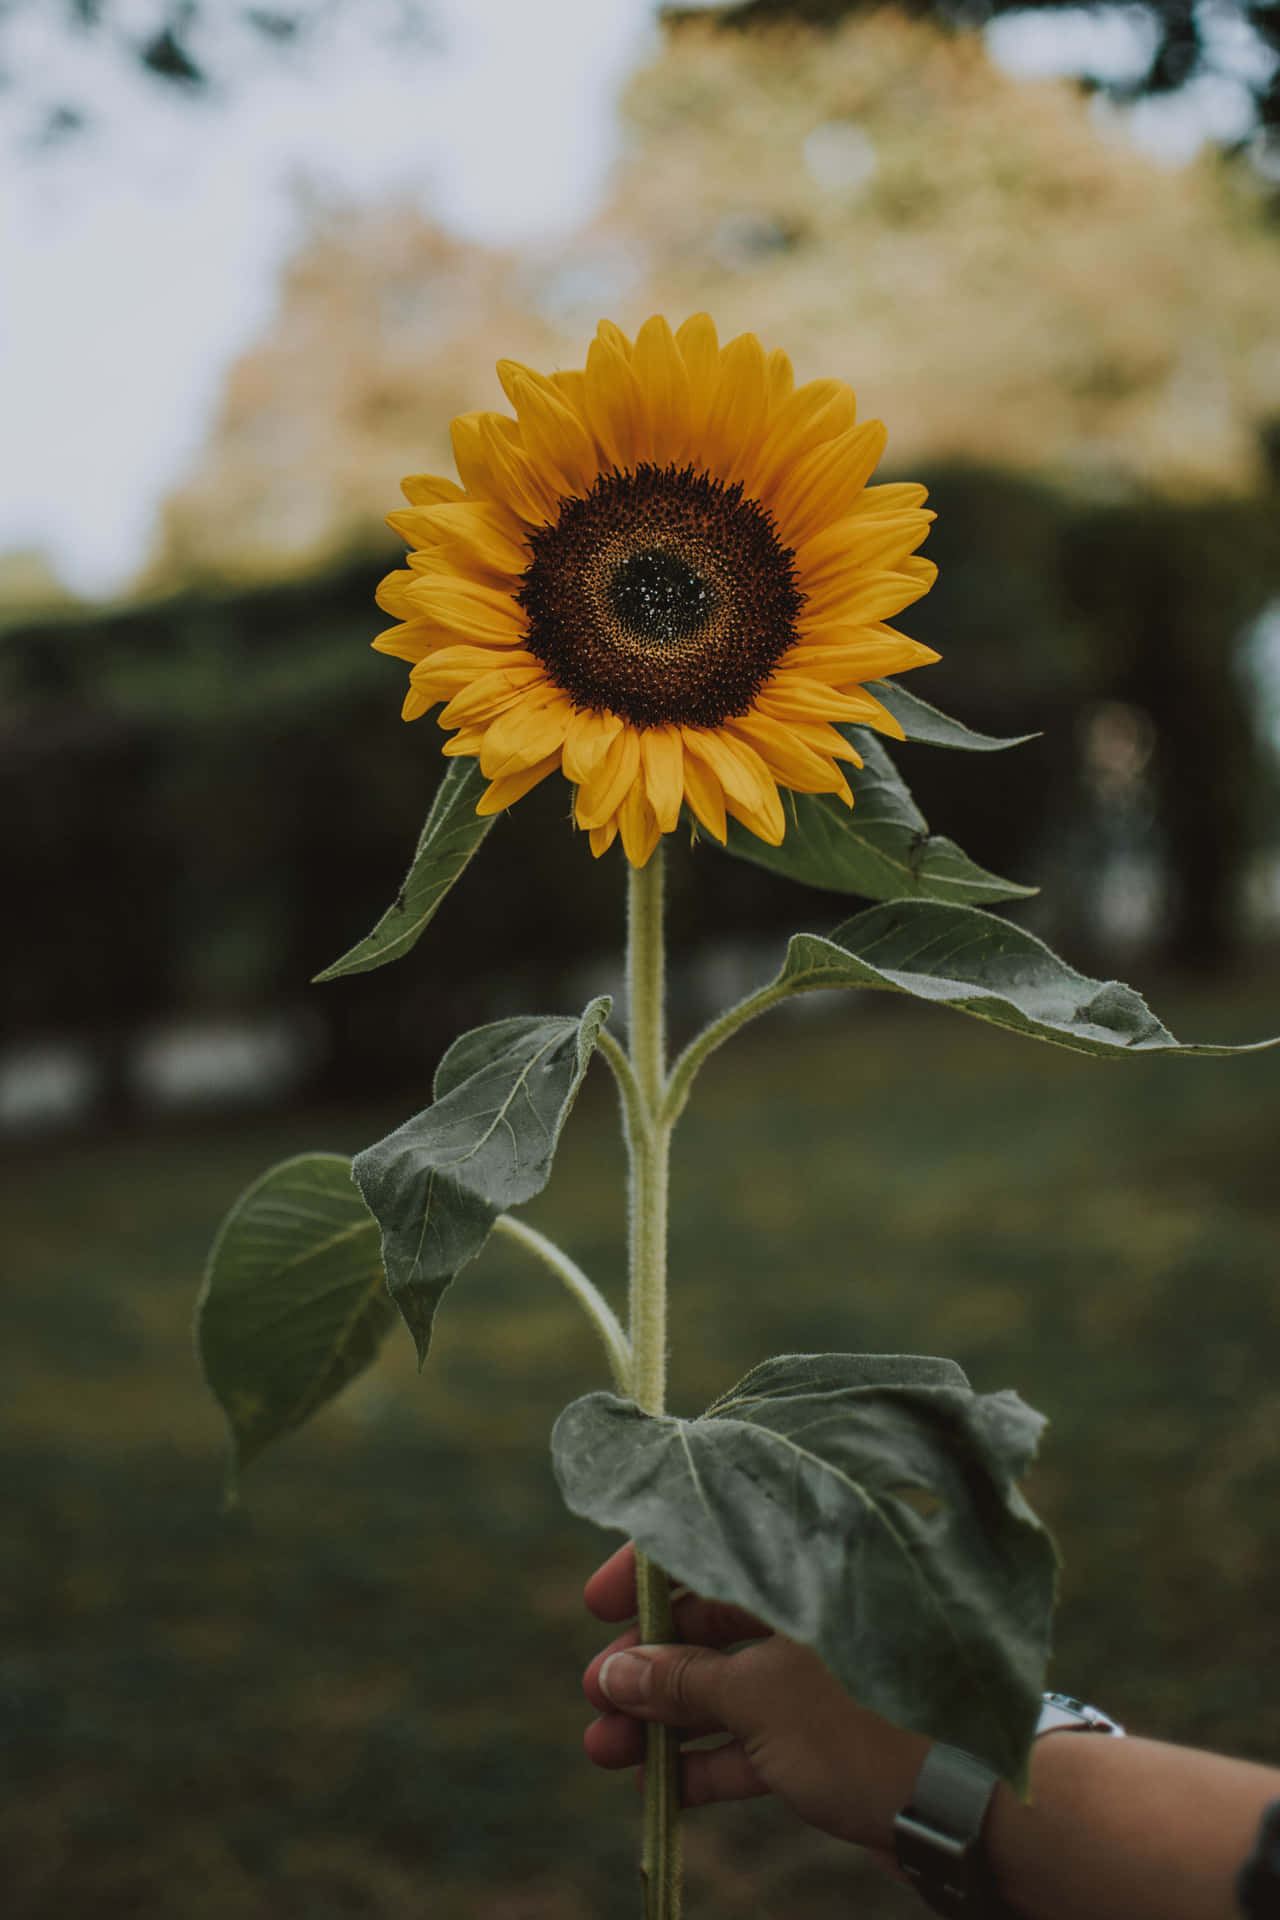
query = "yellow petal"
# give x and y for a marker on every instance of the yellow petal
(468, 607)
(409, 641)
(875, 540)
(782, 377)
(600, 796)
(788, 757)
(615, 405)
(736, 420)
(893, 497)
(588, 738)
(700, 349)
(790, 696)
(819, 735)
(557, 443)
(527, 732)
(877, 596)
(468, 534)
(467, 740)
(664, 381)
(763, 817)
(532, 493)
(879, 631)
(613, 336)
(489, 695)
(825, 482)
(920, 569)
(640, 830)
(875, 715)
(415, 705)
(392, 594)
(510, 787)
(445, 671)
(602, 838)
(838, 654)
(491, 461)
(815, 414)
(739, 769)
(705, 796)
(426, 489)
(571, 384)
(662, 755)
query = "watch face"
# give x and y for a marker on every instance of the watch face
(1063, 1712)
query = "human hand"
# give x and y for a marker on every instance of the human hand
(795, 1732)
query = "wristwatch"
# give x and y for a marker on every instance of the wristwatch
(938, 1837)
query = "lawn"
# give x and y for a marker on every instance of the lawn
(357, 1694)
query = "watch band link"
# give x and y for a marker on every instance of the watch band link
(938, 1838)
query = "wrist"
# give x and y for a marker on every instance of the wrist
(944, 1836)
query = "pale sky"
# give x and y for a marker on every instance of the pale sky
(141, 257)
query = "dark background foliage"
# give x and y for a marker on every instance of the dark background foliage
(211, 796)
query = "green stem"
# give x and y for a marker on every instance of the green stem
(633, 1106)
(648, 1146)
(597, 1308)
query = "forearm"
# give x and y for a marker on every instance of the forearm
(1127, 1830)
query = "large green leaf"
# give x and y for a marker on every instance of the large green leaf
(294, 1302)
(451, 835)
(985, 966)
(882, 847)
(920, 721)
(437, 1184)
(865, 1505)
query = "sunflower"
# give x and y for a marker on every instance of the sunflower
(665, 578)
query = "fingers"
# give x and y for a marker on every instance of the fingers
(718, 1773)
(706, 1774)
(610, 1594)
(614, 1741)
(680, 1686)
(601, 1701)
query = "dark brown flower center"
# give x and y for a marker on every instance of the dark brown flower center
(663, 596)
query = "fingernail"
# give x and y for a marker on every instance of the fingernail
(626, 1678)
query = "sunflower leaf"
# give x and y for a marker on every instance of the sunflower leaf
(865, 1505)
(920, 721)
(979, 964)
(294, 1302)
(881, 848)
(437, 1184)
(452, 833)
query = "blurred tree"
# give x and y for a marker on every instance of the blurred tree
(1163, 592)
(1185, 40)
(881, 200)
(56, 56)
(196, 45)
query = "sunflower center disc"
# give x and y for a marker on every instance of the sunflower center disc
(658, 596)
(662, 596)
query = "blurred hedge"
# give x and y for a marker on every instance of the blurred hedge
(204, 800)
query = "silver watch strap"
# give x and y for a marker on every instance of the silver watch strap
(938, 1838)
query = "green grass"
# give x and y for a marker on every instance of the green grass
(358, 1694)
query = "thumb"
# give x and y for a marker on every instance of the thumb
(677, 1685)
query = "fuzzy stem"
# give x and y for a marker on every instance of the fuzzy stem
(619, 1064)
(648, 1145)
(589, 1298)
